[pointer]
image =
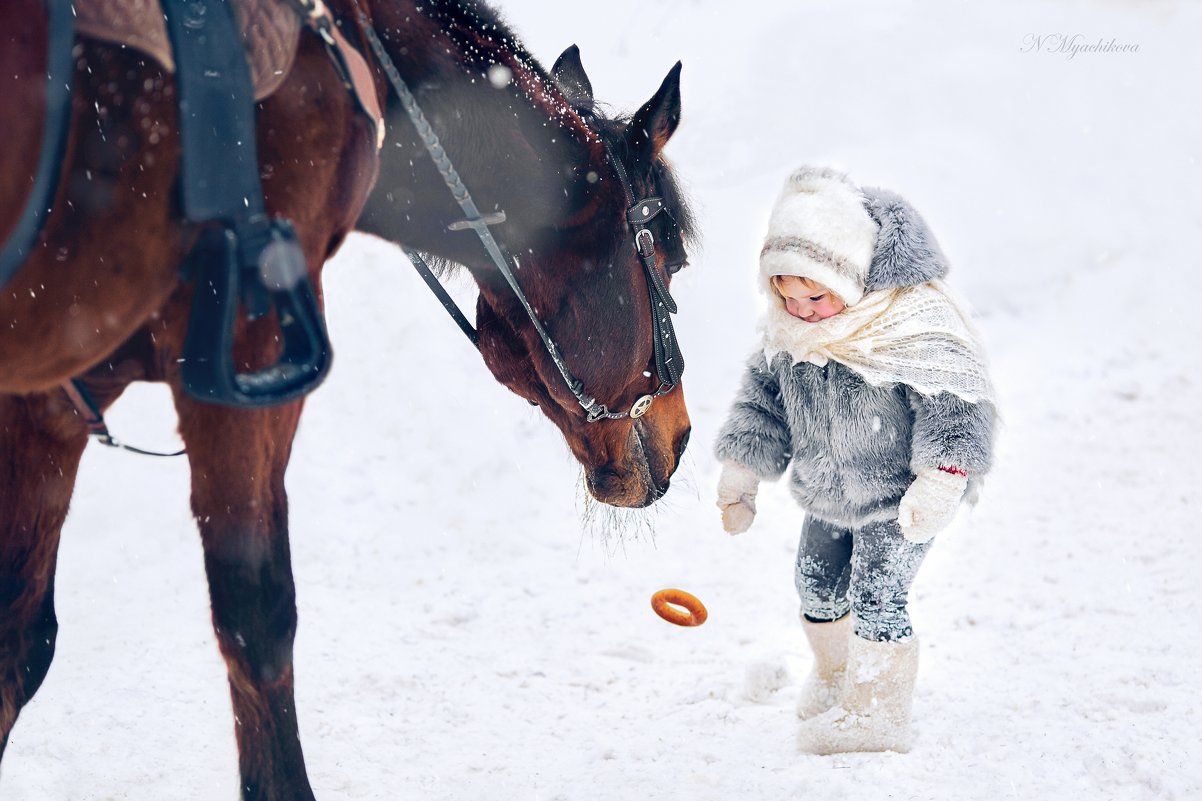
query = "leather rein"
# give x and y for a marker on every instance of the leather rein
(669, 362)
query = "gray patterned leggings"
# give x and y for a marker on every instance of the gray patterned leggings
(866, 571)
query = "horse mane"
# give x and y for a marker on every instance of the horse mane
(485, 41)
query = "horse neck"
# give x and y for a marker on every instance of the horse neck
(515, 142)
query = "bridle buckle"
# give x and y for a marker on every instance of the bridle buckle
(646, 248)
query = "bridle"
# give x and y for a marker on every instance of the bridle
(669, 363)
(355, 76)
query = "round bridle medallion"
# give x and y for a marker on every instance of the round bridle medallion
(641, 406)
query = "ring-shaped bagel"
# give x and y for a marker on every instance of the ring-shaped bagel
(665, 603)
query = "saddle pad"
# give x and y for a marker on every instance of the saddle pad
(270, 34)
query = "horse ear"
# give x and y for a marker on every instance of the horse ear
(571, 79)
(655, 122)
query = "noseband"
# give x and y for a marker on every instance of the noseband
(669, 363)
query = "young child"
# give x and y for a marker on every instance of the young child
(871, 383)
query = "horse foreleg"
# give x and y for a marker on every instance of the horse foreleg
(238, 459)
(41, 440)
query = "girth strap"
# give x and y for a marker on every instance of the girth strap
(87, 409)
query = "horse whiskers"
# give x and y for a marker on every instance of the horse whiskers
(613, 527)
(685, 478)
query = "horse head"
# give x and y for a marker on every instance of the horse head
(536, 147)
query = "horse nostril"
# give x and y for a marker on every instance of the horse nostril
(605, 480)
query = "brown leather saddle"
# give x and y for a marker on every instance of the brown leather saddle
(244, 257)
(270, 34)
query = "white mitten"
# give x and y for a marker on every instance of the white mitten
(930, 503)
(736, 497)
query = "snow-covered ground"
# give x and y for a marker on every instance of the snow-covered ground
(463, 636)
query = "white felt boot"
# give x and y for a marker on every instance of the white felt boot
(825, 683)
(874, 713)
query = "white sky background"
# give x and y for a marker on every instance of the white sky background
(463, 638)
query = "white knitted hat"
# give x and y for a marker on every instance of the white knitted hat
(819, 229)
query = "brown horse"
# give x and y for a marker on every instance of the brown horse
(102, 298)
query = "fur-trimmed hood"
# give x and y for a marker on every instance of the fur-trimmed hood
(906, 253)
(820, 229)
(853, 240)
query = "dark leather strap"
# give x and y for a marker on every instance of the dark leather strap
(216, 110)
(669, 361)
(241, 255)
(90, 412)
(351, 67)
(60, 67)
(443, 296)
(644, 211)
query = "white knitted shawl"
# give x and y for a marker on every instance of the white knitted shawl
(920, 336)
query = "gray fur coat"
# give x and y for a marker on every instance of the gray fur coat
(854, 447)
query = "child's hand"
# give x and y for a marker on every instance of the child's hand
(930, 503)
(737, 489)
(737, 517)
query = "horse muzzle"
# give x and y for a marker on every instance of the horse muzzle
(643, 477)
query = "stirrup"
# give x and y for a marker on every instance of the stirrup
(266, 267)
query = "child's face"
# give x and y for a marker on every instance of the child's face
(812, 302)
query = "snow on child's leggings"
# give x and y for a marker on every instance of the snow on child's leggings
(867, 571)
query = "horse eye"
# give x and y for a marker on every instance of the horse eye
(532, 403)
